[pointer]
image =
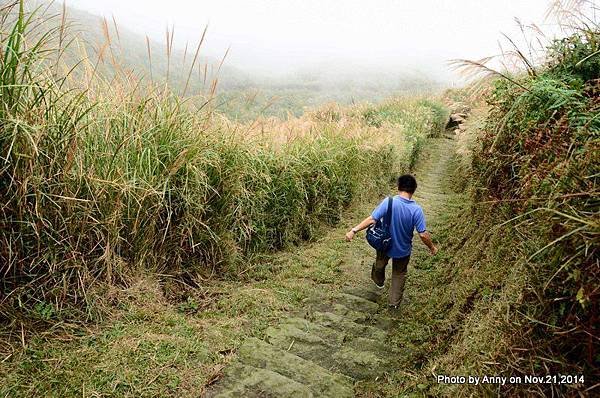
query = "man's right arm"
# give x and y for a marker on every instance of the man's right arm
(425, 236)
(426, 239)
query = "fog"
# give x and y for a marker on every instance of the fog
(334, 36)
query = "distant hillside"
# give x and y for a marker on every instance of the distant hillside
(119, 48)
(239, 94)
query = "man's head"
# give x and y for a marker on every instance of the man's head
(407, 183)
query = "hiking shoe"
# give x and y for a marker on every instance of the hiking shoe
(395, 308)
(378, 287)
(394, 311)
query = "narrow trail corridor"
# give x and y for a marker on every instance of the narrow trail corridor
(339, 338)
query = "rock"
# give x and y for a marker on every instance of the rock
(368, 294)
(357, 357)
(351, 315)
(360, 365)
(338, 338)
(329, 335)
(460, 107)
(363, 361)
(452, 123)
(286, 335)
(457, 118)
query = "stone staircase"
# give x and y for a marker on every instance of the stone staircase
(340, 339)
(320, 352)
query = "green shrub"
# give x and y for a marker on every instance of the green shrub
(538, 156)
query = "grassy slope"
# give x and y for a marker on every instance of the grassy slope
(155, 345)
(469, 313)
(526, 248)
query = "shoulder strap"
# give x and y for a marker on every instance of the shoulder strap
(388, 215)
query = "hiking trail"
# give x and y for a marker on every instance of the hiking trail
(337, 339)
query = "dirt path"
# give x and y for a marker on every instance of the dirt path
(338, 338)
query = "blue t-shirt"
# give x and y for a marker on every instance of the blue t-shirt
(407, 215)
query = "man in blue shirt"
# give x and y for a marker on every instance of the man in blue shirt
(407, 216)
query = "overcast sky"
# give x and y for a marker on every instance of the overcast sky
(282, 36)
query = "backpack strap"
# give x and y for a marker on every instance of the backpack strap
(388, 215)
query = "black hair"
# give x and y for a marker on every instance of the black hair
(407, 183)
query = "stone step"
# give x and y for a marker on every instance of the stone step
(362, 361)
(242, 380)
(356, 303)
(320, 381)
(381, 320)
(385, 322)
(348, 313)
(350, 301)
(339, 322)
(351, 307)
(339, 338)
(371, 294)
(329, 335)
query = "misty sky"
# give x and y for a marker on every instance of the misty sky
(284, 36)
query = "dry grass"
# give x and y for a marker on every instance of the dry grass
(116, 177)
(155, 217)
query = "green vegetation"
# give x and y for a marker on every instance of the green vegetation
(292, 96)
(516, 291)
(390, 112)
(163, 337)
(538, 160)
(138, 228)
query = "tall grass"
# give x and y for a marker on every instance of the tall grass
(535, 168)
(102, 183)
